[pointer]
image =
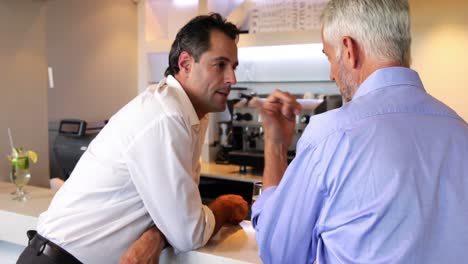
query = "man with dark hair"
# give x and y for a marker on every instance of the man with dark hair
(141, 172)
(379, 180)
(194, 38)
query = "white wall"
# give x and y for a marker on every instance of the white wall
(92, 47)
(440, 43)
(23, 86)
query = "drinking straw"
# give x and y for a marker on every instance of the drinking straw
(11, 139)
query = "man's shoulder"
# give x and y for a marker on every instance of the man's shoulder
(166, 97)
(363, 111)
(174, 100)
(325, 124)
(336, 121)
(152, 107)
(157, 103)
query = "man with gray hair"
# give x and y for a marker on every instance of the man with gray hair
(379, 180)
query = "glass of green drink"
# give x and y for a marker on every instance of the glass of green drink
(19, 173)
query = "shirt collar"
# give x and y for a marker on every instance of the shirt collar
(390, 76)
(185, 100)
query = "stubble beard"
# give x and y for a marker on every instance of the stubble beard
(346, 83)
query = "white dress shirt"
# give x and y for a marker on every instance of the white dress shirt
(142, 168)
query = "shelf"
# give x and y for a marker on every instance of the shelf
(159, 21)
(251, 40)
(279, 38)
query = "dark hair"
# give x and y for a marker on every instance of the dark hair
(194, 38)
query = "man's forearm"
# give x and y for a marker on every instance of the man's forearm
(146, 249)
(276, 162)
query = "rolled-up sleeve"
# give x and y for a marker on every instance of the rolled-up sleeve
(160, 163)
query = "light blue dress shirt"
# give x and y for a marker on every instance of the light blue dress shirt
(383, 179)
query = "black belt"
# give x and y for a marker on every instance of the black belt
(44, 246)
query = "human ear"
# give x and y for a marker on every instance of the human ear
(185, 62)
(351, 51)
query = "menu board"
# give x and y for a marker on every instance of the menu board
(286, 15)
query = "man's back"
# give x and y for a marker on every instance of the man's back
(380, 180)
(400, 192)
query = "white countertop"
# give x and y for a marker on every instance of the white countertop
(39, 200)
(19, 217)
(232, 244)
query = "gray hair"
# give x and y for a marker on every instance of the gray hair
(381, 27)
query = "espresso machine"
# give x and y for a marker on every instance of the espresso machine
(247, 138)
